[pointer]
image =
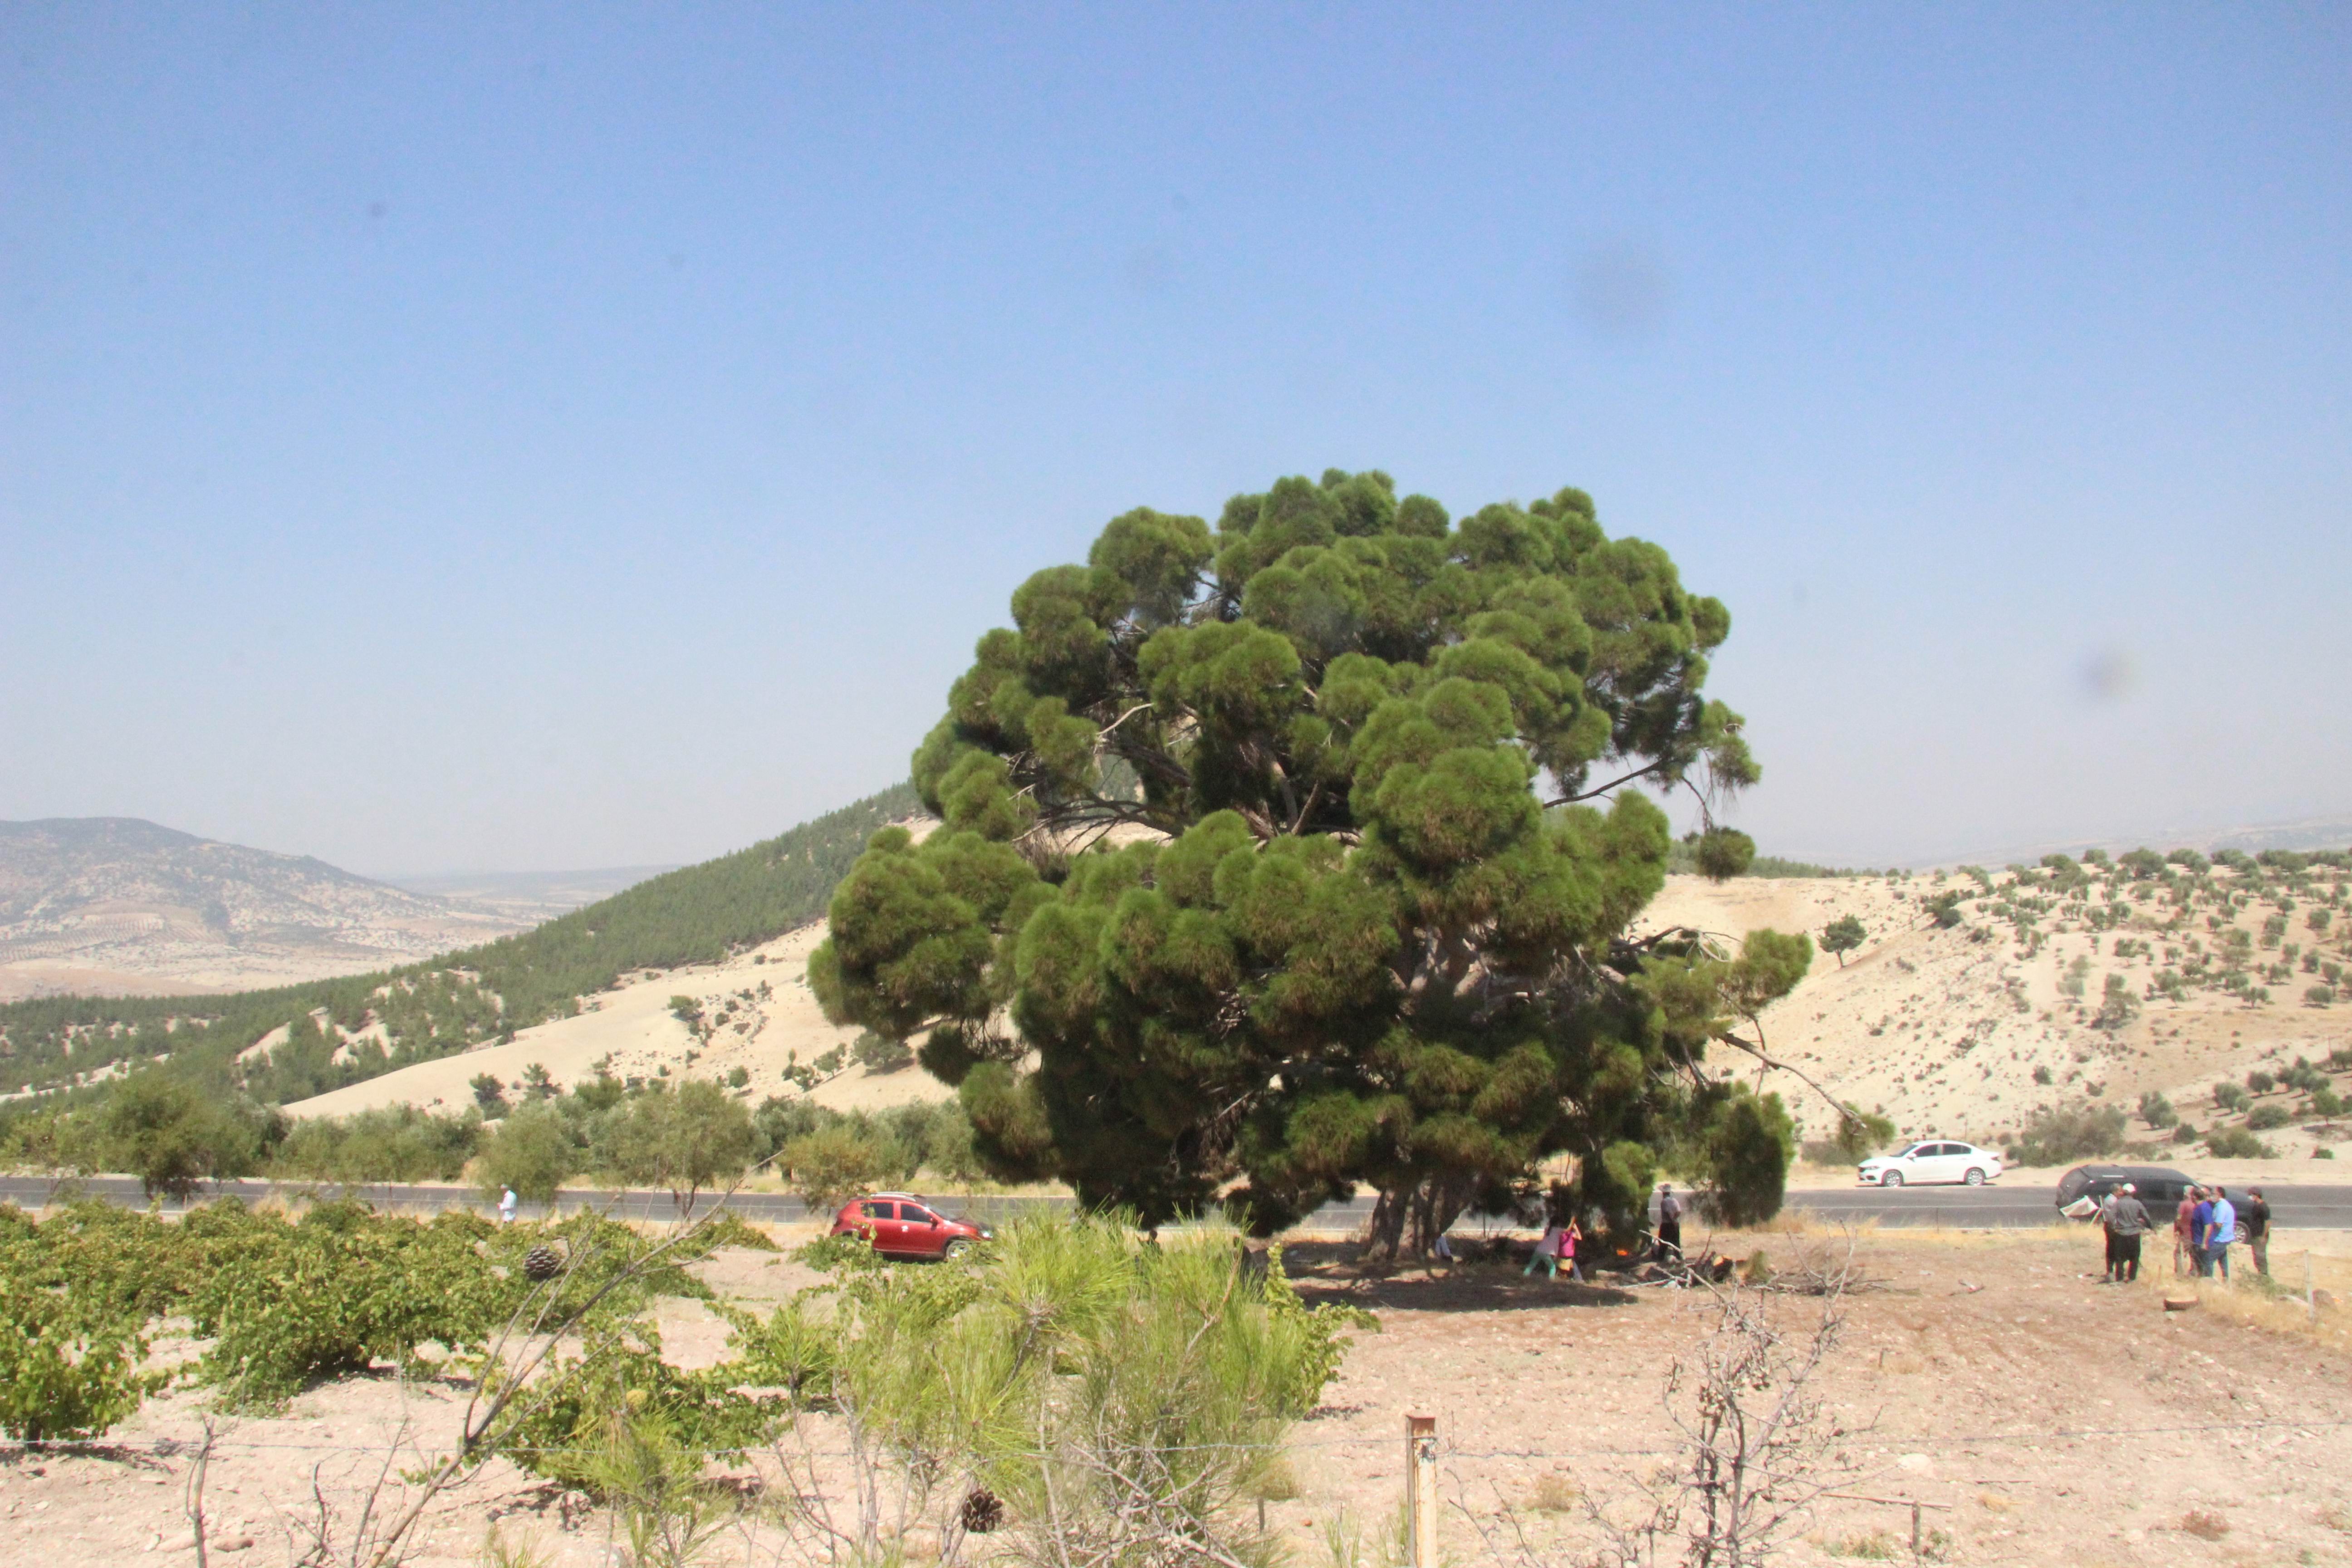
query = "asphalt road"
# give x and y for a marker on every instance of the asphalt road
(2000, 1205)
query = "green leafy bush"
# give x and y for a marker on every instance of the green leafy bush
(834, 1163)
(2061, 1135)
(2237, 1143)
(287, 1305)
(2267, 1117)
(69, 1357)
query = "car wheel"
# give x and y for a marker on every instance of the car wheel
(1891, 1179)
(955, 1249)
(1975, 1178)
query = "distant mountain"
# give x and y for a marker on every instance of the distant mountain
(2305, 832)
(530, 896)
(115, 903)
(358, 1020)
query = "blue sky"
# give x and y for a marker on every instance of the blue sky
(510, 437)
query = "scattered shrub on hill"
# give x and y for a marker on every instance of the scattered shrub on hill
(2060, 1135)
(2118, 1005)
(880, 1053)
(2230, 1097)
(2237, 1143)
(2267, 1117)
(2157, 1111)
(1842, 936)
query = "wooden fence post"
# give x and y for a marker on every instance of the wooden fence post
(1421, 1489)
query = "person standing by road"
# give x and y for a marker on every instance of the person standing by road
(2184, 1234)
(2107, 1230)
(507, 1206)
(2127, 1222)
(2220, 1229)
(2200, 1226)
(2258, 1229)
(1670, 1224)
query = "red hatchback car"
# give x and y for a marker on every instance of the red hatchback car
(900, 1224)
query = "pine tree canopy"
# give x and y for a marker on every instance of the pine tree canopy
(1264, 870)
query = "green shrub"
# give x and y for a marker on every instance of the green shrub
(2267, 1117)
(398, 1144)
(69, 1358)
(290, 1305)
(2061, 1135)
(2157, 1111)
(565, 1431)
(2237, 1143)
(532, 1150)
(834, 1163)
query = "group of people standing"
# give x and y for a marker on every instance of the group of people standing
(2204, 1227)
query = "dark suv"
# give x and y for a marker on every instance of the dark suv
(2158, 1187)
(900, 1224)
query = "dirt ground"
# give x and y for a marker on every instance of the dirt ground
(2040, 1416)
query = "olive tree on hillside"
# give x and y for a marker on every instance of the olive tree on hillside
(1374, 927)
(1842, 935)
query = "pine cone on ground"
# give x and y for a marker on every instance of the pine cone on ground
(541, 1263)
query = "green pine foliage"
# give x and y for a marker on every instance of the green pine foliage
(1380, 938)
(699, 913)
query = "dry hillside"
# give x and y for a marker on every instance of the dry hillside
(1965, 1029)
(1962, 1029)
(756, 1014)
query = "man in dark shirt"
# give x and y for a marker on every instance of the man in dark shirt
(2201, 1232)
(2255, 1219)
(2127, 1222)
(1670, 1224)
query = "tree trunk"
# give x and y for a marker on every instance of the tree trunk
(1410, 1219)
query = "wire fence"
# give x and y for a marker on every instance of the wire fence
(169, 1448)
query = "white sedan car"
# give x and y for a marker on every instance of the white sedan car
(1933, 1161)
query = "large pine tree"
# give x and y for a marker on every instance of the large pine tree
(1265, 869)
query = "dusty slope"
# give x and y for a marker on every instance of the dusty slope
(774, 1022)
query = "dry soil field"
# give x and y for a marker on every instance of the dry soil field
(2038, 1416)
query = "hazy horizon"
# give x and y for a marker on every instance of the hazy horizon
(547, 440)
